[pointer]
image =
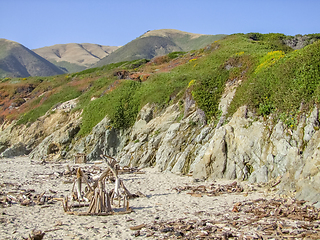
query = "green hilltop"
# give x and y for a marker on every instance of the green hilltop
(159, 42)
(269, 75)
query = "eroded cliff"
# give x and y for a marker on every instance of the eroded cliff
(177, 139)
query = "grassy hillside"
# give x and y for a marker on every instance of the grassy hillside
(18, 61)
(273, 79)
(141, 48)
(68, 67)
(157, 43)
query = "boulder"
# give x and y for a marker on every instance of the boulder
(15, 150)
(3, 146)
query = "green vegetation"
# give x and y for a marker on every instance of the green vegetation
(174, 55)
(120, 105)
(188, 43)
(123, 65)
(68, 67)
(43, 106)
(272, 79)
(282, 86)
(274, 41)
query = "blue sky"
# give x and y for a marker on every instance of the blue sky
(39, 23)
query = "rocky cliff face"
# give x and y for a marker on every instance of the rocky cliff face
(47, 136)
(178, 140)
(244, 149)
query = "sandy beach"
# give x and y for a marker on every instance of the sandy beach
(167, 202)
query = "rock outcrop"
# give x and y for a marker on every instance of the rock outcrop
(49, 135)
(245, 147)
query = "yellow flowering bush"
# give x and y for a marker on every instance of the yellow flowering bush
(270, 59)
(239, 53)
(192, 82)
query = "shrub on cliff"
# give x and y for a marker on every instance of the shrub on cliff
(286, 83)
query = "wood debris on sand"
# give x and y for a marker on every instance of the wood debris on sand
(27, 197)
(258, 219)
(211, 190)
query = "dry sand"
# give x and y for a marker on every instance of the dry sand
(162, 203)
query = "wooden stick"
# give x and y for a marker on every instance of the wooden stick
(87, 182)
(79, 176)
(74, 183)
(104, 174)
(93, 202)
(103, 201)
(40, 196)
(96, 195)
(64, 207)
(109, 209)
(80, 205)
(65, 204)
(117, 188)
(106, 156)
(91, 205)
(125, 189)
(110, 165)
(111, 196)
(138, 227)
(99, 214)
(127, 207)
(58, 199)
(98, 207)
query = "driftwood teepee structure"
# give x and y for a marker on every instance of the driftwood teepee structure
(96, 196)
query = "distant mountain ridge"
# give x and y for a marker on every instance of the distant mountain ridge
(159, 42)
(18, 61)
(75, 56)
